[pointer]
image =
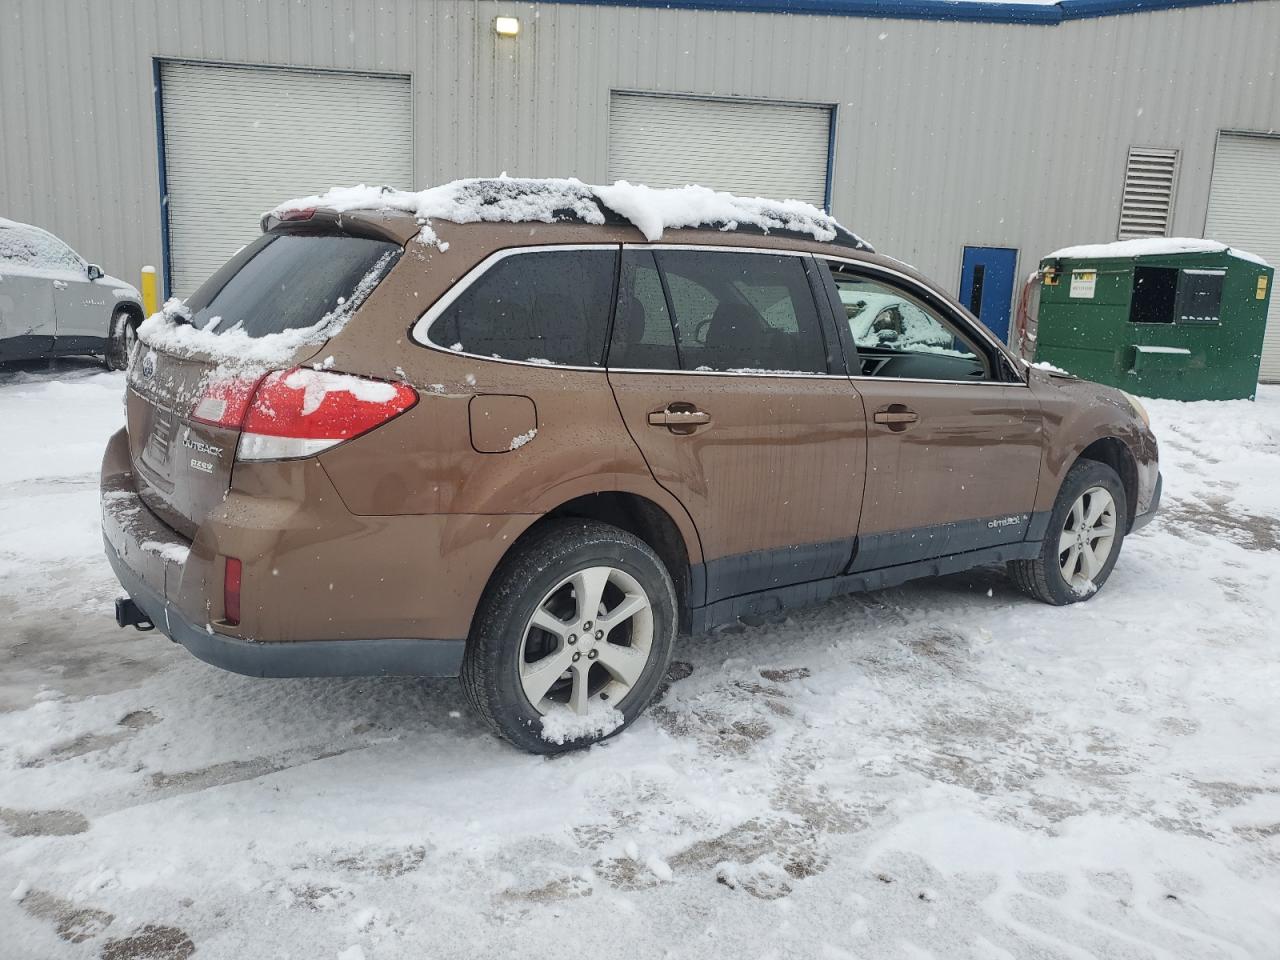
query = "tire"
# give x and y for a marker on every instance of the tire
(1045, 577)
(123, 335)
(589, 701)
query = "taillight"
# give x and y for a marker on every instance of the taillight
(225, 402)
(300, 412)
(272, 219)
(231, 591)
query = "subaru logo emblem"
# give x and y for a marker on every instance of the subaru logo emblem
(149, 365)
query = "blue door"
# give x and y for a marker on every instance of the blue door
(986, 286)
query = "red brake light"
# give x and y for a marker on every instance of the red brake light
(300, 412)
(225, 402)
(305, 213)
(231, 591)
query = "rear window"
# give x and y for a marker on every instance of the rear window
(289, 281)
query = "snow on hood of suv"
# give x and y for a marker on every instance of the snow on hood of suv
(518, 200)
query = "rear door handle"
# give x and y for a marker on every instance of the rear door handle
(679, 417)
(896, 416)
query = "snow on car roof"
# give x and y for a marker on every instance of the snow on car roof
(520, 200)
(1150, 246)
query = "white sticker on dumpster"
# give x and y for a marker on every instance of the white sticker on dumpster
(1083, 283)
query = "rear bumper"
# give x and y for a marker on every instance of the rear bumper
(298, 658)
(1142, 519)
(170, 580)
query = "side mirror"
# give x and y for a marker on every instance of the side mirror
(95, 272)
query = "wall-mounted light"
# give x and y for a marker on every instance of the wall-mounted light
(506, 26)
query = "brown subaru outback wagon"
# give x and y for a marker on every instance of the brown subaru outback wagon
(534, 453)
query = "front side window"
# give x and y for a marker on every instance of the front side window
(544, 306)
(743, 312)
(897, 335)
(25, 246)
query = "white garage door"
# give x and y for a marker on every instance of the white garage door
(238, 140)
(1244, 211)
(753, 148)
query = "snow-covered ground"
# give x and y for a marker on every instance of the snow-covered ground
(943, 770)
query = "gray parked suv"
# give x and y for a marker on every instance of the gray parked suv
(55, 303)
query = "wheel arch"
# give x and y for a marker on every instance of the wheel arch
(1115, 453)
(639, 516)
(131, 307)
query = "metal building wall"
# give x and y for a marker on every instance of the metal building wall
(948, 133)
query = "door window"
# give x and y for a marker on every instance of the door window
(543, 306)
(896, 334)
(643, 338)
(743, 312)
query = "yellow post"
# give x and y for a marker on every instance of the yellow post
(150, 291)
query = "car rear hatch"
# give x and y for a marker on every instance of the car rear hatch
(269, 308)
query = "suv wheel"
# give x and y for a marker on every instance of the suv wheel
(124, 334)
(572, 638)
(1083, 540)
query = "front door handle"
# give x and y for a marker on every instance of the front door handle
(679, 417)
(896, 416)
(59, 285)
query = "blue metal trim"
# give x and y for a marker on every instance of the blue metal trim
(888, 9)
(158, 95)
(831, 157)
(958, 10)
(1085, 9)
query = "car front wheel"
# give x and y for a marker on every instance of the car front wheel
(572, 638)
(1083, 539)
(124, 334)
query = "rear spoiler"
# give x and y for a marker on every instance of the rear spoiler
(392, 225)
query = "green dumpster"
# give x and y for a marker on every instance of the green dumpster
(1180, 319)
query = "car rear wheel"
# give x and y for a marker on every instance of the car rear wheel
(124, 334)
(1083, 539)
(573, 637)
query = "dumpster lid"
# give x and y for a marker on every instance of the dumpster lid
(1151, 247)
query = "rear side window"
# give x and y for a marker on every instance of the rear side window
(544, 306)
(743, 312)
(290, 281)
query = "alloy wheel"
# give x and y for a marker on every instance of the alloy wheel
(587, 642)
(1088, 537)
